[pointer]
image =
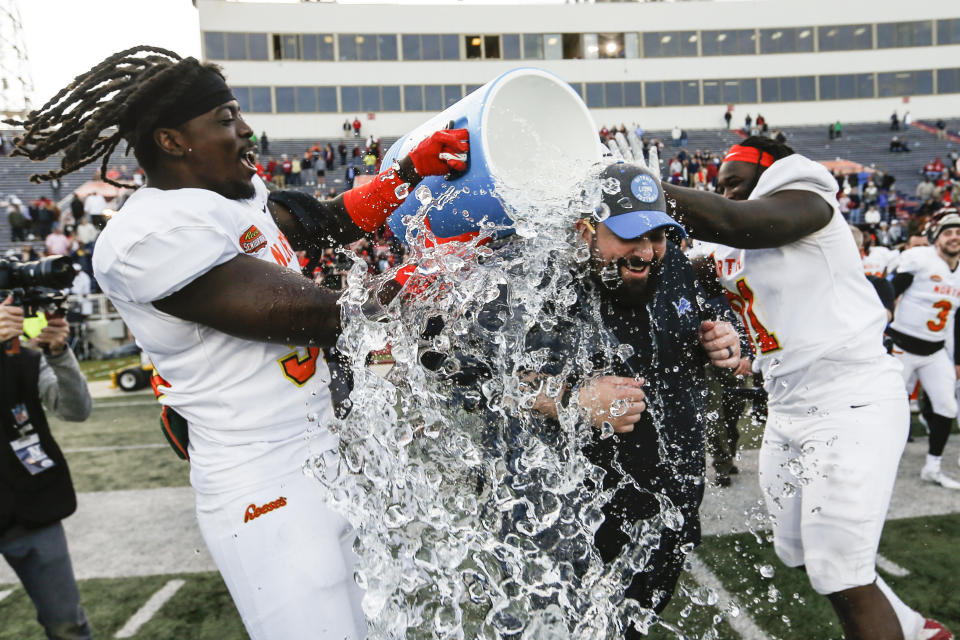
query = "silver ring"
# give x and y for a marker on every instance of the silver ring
(729, 352)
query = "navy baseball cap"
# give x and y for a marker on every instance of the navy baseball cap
(632, 202)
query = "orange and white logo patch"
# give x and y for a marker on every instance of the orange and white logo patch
(252, 240)
(254, 512)
(936, 278)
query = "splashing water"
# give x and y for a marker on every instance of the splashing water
(475, 516)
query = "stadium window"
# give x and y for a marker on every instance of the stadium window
(948, 81)
(511, 46)
(672, 93)
(430, 46)
(472, 87)
(306, 99)
(387, 46)
(390, 98)
(257, 46)
(413, 97)
(611, 45)
(845, 37)
(633, 94)
(572, 46)
(242, 94)
(309, 47)
(711, 92)
(654, 91)
(591, 46)
(452, 93)
(670, 44)
(410, 45)
(594, 94)
(578, 87)
(613, 94)
(786, 40)
(552, 46)
(286, 46)
(348, 46)
(366, 48)
(846, 86)
(491, 47)
(450, 46)
(691, 92)
(350, 99)
(865, 85)
(729, 42)
(948, 31)
(285, 99)
(905, 34)
(236, 46)
(631, 45)
(370, 98)
(904, 83)
(473, 46)
(260, 101)
(532, 46)
(325, 45)
(433, 97)
(214, 47)
(789, 89)
(326, 99)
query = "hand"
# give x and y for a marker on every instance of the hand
(957, 367)
(11, 320)
(721, 342)
(618, 401)
(745, 368)
(441, 153)
(53, 336)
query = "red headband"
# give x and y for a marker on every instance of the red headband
(752, 155)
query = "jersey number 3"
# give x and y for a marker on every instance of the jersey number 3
(944, 306)
(763, 341)
(298, 368)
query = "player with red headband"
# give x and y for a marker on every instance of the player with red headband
(838, 412)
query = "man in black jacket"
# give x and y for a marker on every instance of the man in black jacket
(36, 492)
(651, 300)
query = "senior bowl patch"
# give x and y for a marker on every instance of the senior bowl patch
(645, 188)
(252, 240)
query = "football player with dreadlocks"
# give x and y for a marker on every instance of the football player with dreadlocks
(927, 282)
(201, 265)
(838, 412)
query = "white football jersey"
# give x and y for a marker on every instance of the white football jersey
(814, 320)
(926, 309)
(243, 399)
(877, 262)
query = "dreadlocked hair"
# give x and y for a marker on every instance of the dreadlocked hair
(127, 92)
(776, 149)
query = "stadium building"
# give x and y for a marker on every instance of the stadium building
(301, 69)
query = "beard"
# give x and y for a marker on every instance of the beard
(237, 190)
(631, 293)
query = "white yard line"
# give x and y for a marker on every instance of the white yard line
(5, 593)
(150, 607)
(119, 447)
(743, 624)
(889, 566)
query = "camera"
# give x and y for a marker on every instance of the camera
(37, 285)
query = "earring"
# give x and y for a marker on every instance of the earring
(189, 149)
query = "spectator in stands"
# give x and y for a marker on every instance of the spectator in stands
(837, 129)
(370, 162)
(831, 131)
(870, 192)
(356, 127)
(56, 243)
(306, 167)
(925, 189)
(19, 224)
(342, 150)
(347, 127)
(941, 129)
(675, 135)
(727, 117)
(283, 172)
(894, 122)
(604, 133)
(3, 144)
(264, 144)
(762, 124)
(350, 175)
(779, 136)
(295, 169)
(907, 120)
(933, 169)
(76, 208)
(93, 206)
(45, 215)
(328, 156)
(87, 233)
(748, 122)
(898, 145)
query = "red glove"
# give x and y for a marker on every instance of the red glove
(371, 204)
(441, 153)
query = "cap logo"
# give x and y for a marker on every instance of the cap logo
(645, 188)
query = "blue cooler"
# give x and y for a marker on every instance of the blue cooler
(525, 127)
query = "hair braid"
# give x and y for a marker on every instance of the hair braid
(126, 92)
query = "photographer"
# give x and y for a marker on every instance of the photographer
(35, 488)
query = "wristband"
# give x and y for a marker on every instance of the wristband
(371, 204)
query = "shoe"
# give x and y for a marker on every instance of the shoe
(939, 477)
(933, 630)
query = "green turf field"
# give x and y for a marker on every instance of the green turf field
(782, 606)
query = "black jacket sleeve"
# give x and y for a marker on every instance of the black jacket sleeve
(901, 281)
(325, 223)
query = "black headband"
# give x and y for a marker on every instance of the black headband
(209, 90)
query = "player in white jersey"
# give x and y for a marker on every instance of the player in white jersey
(201, 265)
(837, 408)
(927, 281)
(877, 260)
